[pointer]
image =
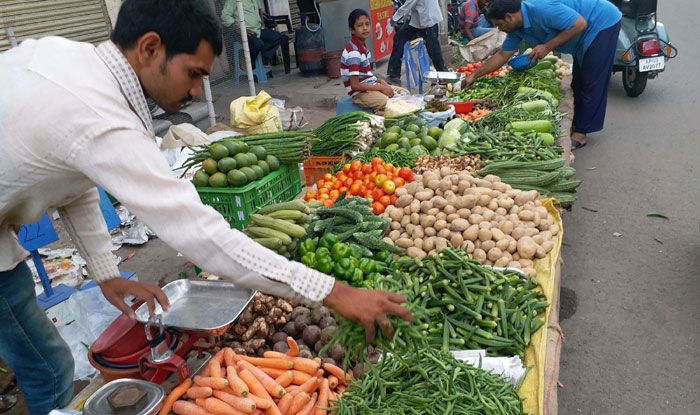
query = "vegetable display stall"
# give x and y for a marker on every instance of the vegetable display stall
(463, 219)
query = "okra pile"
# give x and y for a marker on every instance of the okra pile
(465, 305)
(428, 382)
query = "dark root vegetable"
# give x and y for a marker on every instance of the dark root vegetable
(280, 336)
(359, 370)
(329, 360)
(281, 347)
(305, 353)
(311, 335)
(318, 314)
(302, 322)
(337, 352)
(326, 322)
(290, 329)
(300, 311)
(318, 346)
(328, 333)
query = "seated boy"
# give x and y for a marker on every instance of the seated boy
(355, 67)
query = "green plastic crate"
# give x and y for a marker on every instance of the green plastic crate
(237, 204)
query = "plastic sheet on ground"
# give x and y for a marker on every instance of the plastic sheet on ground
(536, 354)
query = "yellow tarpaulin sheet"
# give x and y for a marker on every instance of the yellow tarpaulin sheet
(533, 387)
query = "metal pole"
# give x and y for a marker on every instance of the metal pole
(210, 103)
(443, 27)
(246, 51)
(11, 37)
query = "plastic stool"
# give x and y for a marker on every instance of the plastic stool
(346, 105)
(415, 71)
(260, 72)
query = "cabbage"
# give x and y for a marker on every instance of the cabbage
(448, 138)
(456, 124)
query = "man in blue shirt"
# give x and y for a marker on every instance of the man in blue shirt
(586, 29)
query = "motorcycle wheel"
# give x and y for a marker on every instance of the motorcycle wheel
(634, 81)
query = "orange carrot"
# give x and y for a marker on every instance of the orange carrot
(235, 383)
(318, 360)
(214, 365)
(285, 402)
(199, 392)
(261, 403)
(334, 370)
(199, 402)
(273, 410)
(311, 385)
(242, 404)
(332, 398)
(292, 389)
(272, 372)
(219, 407)
(254, 385)
(300, 377)
(332, 382)
(276, 355)
(306, 365)
(272, 387)
(284, 364)
(285, 379)
(228, 356)
(341, 390)
(293, 347)
(188, 408)
(323, 395)
(174, 395)
(319, 373)
(205, 372)
(309, 407)
(301, 399)
(212, 382)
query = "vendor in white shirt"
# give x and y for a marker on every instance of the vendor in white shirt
(73, 116)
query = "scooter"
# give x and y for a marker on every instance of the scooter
(643, 45)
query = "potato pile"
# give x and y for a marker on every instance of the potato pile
(496, 224)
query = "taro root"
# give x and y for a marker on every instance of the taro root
(329, 360)
(318, 346)
(298, 311)
(359, 370)
(302, 322)
(311, 335)
(280, 336)
(337, 352)
(319, 313)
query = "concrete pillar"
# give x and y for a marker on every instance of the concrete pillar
(443, 27)
(113, 9)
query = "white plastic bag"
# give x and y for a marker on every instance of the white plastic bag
(510, 368)
(403, 105)
(481, 47)
(434, 119)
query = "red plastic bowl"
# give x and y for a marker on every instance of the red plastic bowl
(123, 337)
(462, 107)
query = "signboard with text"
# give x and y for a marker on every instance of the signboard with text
(382, 32)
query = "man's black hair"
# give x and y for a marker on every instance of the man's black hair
(499, 9)
(181, 24)
(354, 15)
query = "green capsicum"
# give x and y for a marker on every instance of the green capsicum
(323, 253)
(309, 245)
(357, 278)
(324, 264)
(344, 268)
(368, 265)
(382, 256)
(309, 259)
(339, 251)
(356, 251)
(327, 241)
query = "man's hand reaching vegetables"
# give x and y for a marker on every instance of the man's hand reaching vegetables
(116, 289)
(368, 308)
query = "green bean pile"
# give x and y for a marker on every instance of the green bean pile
(505, 145)
(428, 382)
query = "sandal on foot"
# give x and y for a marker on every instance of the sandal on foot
(575, 145)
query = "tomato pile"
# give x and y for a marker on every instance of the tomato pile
(375, 180)
(473, 67)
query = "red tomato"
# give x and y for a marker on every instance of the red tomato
(328, 203)
(385, 200)
(348, 182)
(356, 165)
(310, 193)
(327, 176)
(389, 187)
(346, 167)
(355, 188)
(406, 174)
(343, 189)
(378, 208)
(371, 186)
(323, 196)
(357, 175)
(366, 168)
(320, 183)
(367, 194)
(389, 167)
(323, 191)
(393, 199)
(377, 161)
(398, 181)
(380, 169)
(380, 179)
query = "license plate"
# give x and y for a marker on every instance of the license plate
(651, 64)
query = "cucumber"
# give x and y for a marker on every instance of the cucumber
(286, 214)
(540, 126)
(293, 205)
(263, 232)
(290, 229)
(539, 105)
(271, 243)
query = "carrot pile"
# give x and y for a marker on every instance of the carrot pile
(475, 115)
(276, 384)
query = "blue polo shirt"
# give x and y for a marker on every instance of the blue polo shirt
(544, 19)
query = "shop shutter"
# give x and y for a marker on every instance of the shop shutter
(81, 20)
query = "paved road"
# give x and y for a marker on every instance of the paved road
(632, 301)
